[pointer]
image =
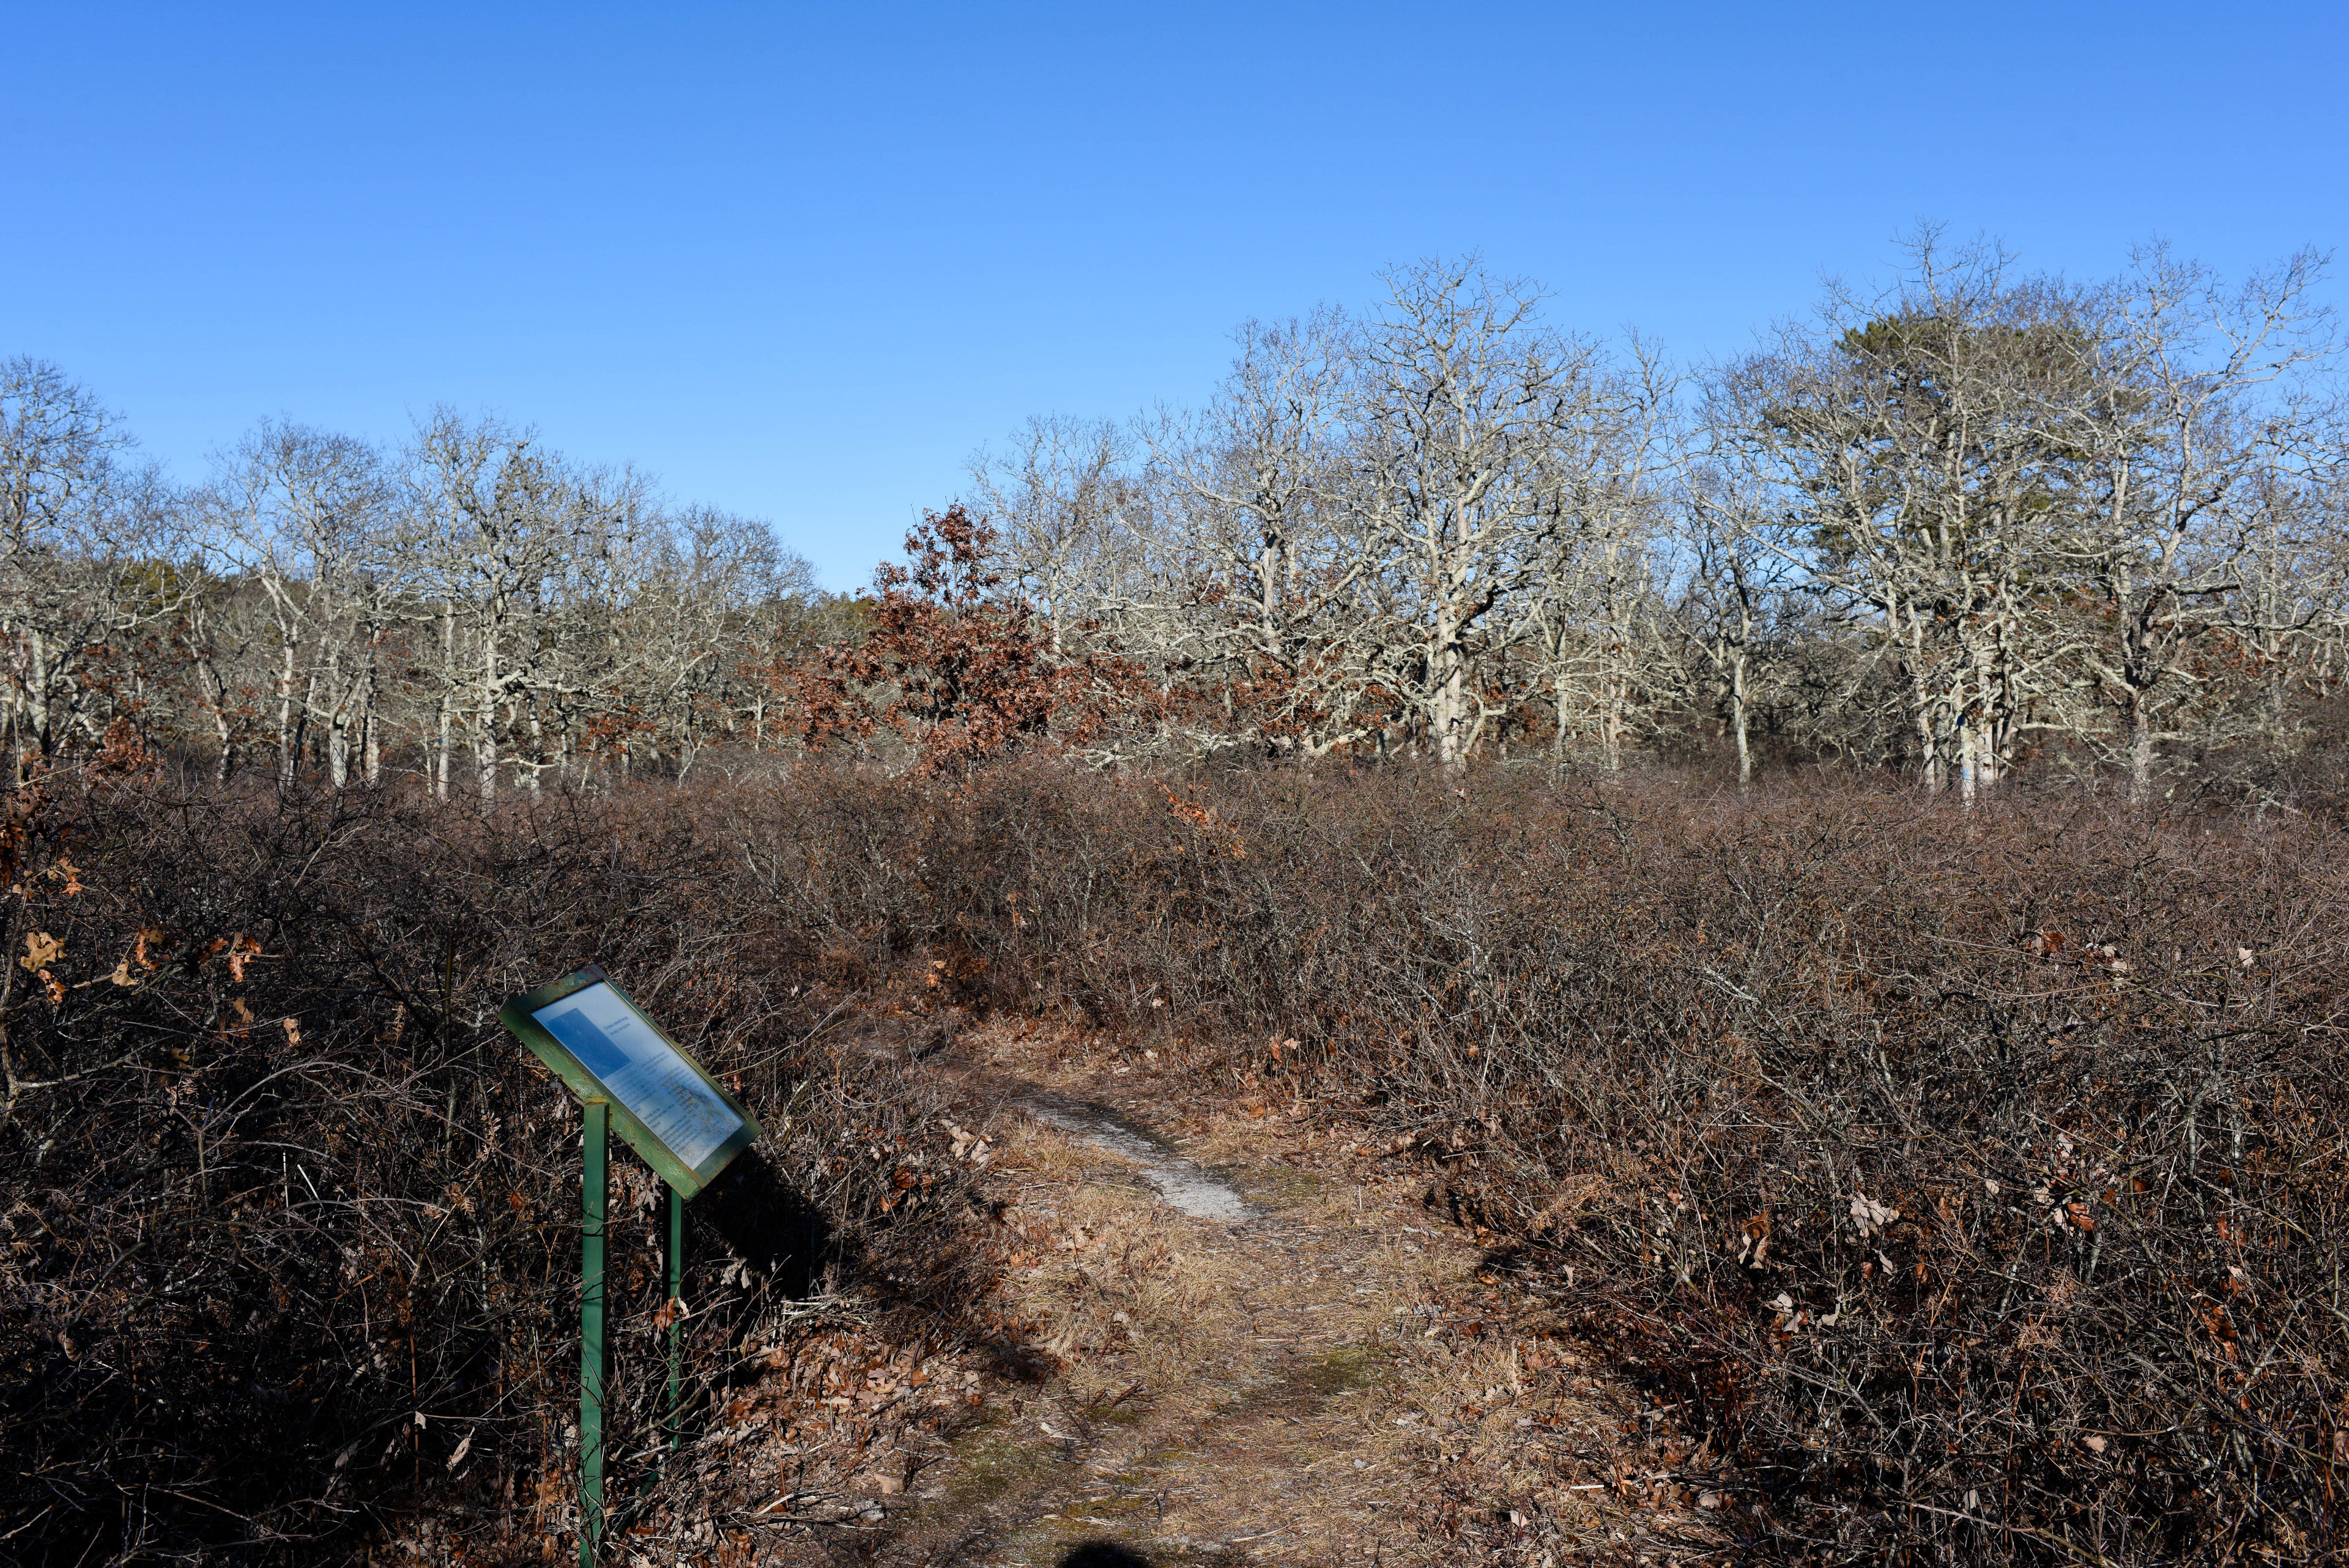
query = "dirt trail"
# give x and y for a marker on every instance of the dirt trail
(1237, 1343)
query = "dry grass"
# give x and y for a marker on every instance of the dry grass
(1111, 1290)
(1311, 1385)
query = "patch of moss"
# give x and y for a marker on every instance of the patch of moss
(1273, 1185)
(1343, 1370)
(990, 1461)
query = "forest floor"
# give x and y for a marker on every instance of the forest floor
(1225, 1334)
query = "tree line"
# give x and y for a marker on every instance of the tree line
(1981, 521)
(469, 606)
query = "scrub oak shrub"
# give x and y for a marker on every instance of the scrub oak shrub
(290, 1244)
(1970, 1182)
(1967, 1183)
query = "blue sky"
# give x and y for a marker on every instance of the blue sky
(800, 262)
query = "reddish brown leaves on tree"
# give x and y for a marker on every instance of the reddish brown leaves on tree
(960, 669)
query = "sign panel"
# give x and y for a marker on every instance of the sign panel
(684, 1124)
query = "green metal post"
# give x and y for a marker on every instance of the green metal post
(591, 1333)
(676, 1317)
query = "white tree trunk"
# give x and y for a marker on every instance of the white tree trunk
(287, 740)
(448, 710)
(485, 739)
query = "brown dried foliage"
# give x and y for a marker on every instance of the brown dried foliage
(291, 1234)
(1973, 1182)
(958, 670)
(1970, 1183)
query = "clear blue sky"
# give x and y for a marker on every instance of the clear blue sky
(800, 262)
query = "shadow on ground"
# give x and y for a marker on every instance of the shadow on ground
(769, 1224)
(1103, 1555)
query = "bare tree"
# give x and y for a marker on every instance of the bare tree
(1973, 521)
(1274, 554)
(713, 575)
(2200, 404)
(1731, 592)
(1058, 500)
(502, 515)
(1912, 449)
(1586, 607)
(2292, 606)
(310, 516)
(87, 546)
(1459, 403)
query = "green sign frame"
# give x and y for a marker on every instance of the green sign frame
(519, 1016)
(660, 1076)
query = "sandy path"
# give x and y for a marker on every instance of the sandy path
(1247, 1350)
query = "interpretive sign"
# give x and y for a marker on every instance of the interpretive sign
(625, 1070)
(682, 1121)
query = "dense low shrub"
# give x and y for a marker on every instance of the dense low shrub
(1970, 1181)
(291, 1226)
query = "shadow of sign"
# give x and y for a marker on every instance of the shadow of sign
(1103, 1555)
(769, 1225)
